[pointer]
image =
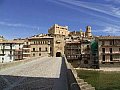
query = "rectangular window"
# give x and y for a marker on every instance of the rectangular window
(33, 54)
(34, 42)
(88, 47)
(10, 52)
(85, 61)
(50, 48)
(33, 49)
(10, 46)
(111, 58)
(45, 49)
(2, 51)
(111, 43)
(103, 57)
(10, 57)
(103, 42)
(119, 49)
(27, 43)
(103, 50)
(39, 54)
(110, 50)
(39, 49)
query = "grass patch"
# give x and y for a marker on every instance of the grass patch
(101, 80)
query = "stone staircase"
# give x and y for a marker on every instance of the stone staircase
(84, 85)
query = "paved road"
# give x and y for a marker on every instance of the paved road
(39, 74)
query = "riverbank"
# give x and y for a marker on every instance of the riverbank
(102, 69)
(101, 80)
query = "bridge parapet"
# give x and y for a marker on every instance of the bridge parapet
(74, 82)
(15, 63)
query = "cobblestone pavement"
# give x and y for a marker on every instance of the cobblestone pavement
(39, 74)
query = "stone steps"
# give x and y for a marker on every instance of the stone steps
(80, 80)
(84, 85)
(91, 88)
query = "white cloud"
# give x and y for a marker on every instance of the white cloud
(112, 30)
(116, 11)
(104, 20)
(115, 1)
(99, 7)
(18, 25)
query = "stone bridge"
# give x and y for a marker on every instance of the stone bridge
(45, 73)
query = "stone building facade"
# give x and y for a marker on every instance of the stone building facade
(86, 54)
(46, 45)
(60, 30)
(87, 34)
(10, 51)
(18, 52)
(26, 49)
(109, 50)
(41, 45)
(73, 52)
(2, 38)
(78, 50)
(58, 45)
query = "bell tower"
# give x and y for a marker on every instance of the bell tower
(88, 31)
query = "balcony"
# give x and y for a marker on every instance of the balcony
(113, 61)
(8, 49)
(115, 45)
(72, 57)
(58, 41)
(72, 47)
(26, 48)
(40, 51)
(2, 54)
(113, 53)
(26, 52)
(116, 60)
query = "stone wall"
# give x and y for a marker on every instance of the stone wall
(14, 63)
(74, 82)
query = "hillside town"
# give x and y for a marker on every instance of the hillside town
(82, 49)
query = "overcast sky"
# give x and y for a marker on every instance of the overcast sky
(24, 18)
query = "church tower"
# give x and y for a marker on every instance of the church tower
(88, 31)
